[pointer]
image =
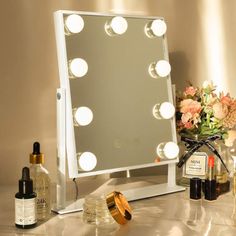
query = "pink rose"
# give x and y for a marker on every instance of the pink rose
(190, 91)
(220, 110)
(189, 105)
(226, 100)
(186, 117)
(188, 125)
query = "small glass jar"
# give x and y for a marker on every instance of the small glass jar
(106, 210)
(96, 211)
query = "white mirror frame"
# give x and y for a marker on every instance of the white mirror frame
(65, 134)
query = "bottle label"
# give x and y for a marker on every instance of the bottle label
(42, 201)
(25, 211)
(42, 204)
(196, 165)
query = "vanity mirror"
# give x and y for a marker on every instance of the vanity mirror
(115, 105)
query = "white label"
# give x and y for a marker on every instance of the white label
(196, 165)
(25, 211)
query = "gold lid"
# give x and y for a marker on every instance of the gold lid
(36, 158)
(119, 207)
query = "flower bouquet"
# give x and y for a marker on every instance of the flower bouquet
(203, 112)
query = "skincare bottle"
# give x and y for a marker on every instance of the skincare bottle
(25, 202)
(210, 182)
(41, 183)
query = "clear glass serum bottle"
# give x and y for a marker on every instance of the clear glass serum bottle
(41, 183)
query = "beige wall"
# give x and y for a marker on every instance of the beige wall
(201, 37)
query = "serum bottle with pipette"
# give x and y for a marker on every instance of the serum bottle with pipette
(41, 183)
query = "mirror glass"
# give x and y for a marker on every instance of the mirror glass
(115, 82)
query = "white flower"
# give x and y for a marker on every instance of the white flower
(207, 83)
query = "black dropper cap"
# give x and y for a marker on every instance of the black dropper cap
(36, 148)
(25, 183)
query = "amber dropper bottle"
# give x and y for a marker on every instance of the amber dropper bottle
(210, 182)
(25, 202)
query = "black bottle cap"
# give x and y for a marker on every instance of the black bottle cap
(195, 188)
(210, 189)
(36, 148)
(25, 183)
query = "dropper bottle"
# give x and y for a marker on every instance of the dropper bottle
(41, 182)
(210, 182)
(25, 202)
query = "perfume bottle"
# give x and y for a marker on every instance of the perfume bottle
(25, 202)
(41, 183)
(222, 176)
(210, 182)
(233, 155)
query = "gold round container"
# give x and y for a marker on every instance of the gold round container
(119, 207)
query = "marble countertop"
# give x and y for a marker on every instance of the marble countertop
(173, 214)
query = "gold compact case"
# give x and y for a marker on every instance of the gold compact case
(119, 207)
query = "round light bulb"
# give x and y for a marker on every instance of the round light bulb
(165, 110)
(78, 67)
(74, 23)
(119, 25)
(158, 27)
(169, 150)
(87, 161)
(83, 116)
(163, 68)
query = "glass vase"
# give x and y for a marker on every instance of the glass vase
(196, 164)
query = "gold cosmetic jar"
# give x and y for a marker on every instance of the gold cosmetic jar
(106, 209)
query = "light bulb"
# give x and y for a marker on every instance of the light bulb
(160, 69)
(169, 150)
(87, 161)
(165, 110)
(118, 25)
(74, 23)
(78, 67)
(156, 28)
(83, 116)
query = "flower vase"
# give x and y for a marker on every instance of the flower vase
(196, 164)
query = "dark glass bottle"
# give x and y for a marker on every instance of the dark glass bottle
(25, 202)
(210, 182)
